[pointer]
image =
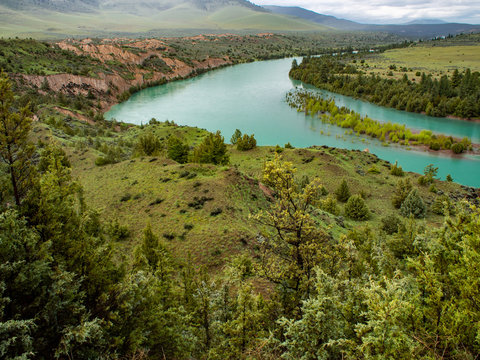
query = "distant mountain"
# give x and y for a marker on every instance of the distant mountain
(309, 15)
(60, 18)
(123, 5)
(425, 21)
(422, 28)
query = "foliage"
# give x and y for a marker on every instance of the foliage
(330, 205)
(328, 112)
(390, 224)
(343, 192)
(295, 244)
(413, 205)
(456, 95)
(246, 142)
(430, 172)
(396, 170)
(148, 144)
(356, 209)
(403, 188)
(442, 205)
(235, 137)
(177, 150)
(457, 148)
(212, 150)
(15, 148)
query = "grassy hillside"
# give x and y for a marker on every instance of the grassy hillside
(111, 249)
(204, 210)
(198, 209)
(431, 58)
(48, 23)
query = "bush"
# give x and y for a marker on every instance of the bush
(457, 148)
(117, 231)
(404, 187)
(289, 146)
(390, 224)
(101, 161)
(246, 143)
(413, 205)
(212, 150)
(330, 205)
(343, 192)
(177, 150)
(435, 146)
(430, 173)
(449, 178)
(148, 144)
(235, 137)
(356, 208)
(396, 170)
(441, 204)
(373, 170)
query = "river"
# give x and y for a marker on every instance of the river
(251, 97)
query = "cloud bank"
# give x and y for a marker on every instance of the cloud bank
(390, 11)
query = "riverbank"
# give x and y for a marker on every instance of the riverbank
(327, 111)
(251, 97)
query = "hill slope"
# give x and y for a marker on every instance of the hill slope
(56, 18)
(412, 30)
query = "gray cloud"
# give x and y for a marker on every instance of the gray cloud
(390, 11)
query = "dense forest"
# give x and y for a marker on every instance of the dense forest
(401, 290)
(456, 95)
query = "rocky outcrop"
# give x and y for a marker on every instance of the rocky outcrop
(108, 84)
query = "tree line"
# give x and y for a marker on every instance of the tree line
(457, 95)
(328, 112)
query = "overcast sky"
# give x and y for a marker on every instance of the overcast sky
(390, 11)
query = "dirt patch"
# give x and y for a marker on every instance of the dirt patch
(74, 115)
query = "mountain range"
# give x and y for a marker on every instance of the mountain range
(428, 28)
(60, 18)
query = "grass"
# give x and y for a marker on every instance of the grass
(47, 24)
(34, 57)
(431, 58)
(203, 210)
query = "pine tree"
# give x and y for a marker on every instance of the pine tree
(343, 192)
(235, 137)
(212, 150)
(356, 209)
(16, 150)
(401, 192)
(413, 205)
(246, 142)
(177, 150)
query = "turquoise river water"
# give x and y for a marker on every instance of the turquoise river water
(251, 97)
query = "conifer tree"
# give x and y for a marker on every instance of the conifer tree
(15, 148)
(235, 137)
(356, 209)
(297, 244)
(177, 150)
(212, 150)
(401, 192)
(343, 192)
(413, 205)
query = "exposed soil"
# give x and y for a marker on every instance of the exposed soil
(123, 58)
